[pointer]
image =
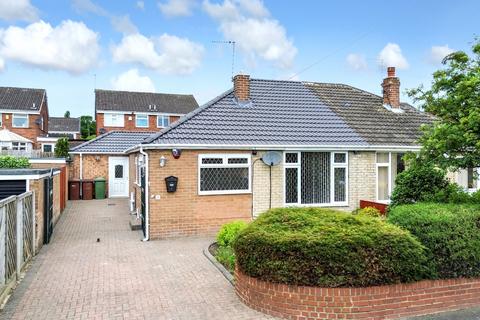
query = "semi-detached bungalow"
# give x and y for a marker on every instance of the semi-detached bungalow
(269, 143)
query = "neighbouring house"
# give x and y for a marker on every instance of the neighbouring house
(105, 157)
(139, 111)
(271, 143)
(59, 127)
(10, 141)
(24, 111)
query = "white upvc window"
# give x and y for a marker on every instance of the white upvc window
(1, 119)
(224, 174)
(388, 165)
(141, 120)
(48, 147)
(113, 120)
(316, 178)
(473, 181)
(163, 121)
(19, 146)
(20, 120)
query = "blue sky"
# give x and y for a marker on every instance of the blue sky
(71, 47)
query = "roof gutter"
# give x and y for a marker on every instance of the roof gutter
(147, 197)
(273, 147)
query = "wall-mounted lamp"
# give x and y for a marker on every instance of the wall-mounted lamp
(163, 161)
(97, 158)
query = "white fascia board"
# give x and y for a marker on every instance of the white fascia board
(90, 152)
(26, 176)
(47, 139)
(141, 112)
(52, 160)
(277, 147)
(19, 111)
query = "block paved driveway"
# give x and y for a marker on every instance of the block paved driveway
(74, 277)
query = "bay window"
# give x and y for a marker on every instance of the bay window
(224, 174)
(316, 178)
(20, 120)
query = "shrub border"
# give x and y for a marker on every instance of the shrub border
(379, 302)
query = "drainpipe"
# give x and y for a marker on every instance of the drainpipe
(147, 196)
(81, 175)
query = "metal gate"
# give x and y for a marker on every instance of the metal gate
(142, 199)
(48, 210)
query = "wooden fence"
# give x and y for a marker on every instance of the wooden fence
(17, 238)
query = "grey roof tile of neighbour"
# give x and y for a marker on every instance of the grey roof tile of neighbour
(24, 99)
(64, 124)
(280, 113)
(364, 112)
(126, 101)
(112, 142)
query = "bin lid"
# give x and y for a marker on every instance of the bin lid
(100, 179)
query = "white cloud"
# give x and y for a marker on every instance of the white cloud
(122, 24)
(11, 10)
(248, 23)
(166, 54)
(131, 80)
(391, 56)
(140, 5)
(2, 64)
(70, 46)
(177, 8)
(357, 61)
(438, 53)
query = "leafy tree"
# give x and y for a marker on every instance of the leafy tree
(14, 162)
(67, 114)
(62, 148)
(453, 140)
(87, 126)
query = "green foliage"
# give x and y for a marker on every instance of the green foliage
(419, 182)
(62, 148)
(328, 248)
(229, 232)
(91, 137)
(226, 257)
(67, 114)
(453, 141)
(88, 126)
(450, 232)
(12, 162)
(369, 212)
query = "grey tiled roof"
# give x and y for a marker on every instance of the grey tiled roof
(364, 112)
(280, 113)
(287, 113)
(126, 101)
(112, 142)
(24, 99)
(64, 124)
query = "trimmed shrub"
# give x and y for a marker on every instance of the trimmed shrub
(450, 232)
(369, 212)
(328, 248)
(12, 162)
(62, 148)
(229, 231)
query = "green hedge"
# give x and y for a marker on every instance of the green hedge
(11, 162)
(229, 231)
(320, 247)
(450, 232)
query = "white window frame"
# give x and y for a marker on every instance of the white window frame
(162, 116)
(48, 144)
(17, 145)
(1, 119)
(387, 165)
(477, 187)
(20, 115)
(141, 115)
(225, 164)
(333, 165)
(113, 120)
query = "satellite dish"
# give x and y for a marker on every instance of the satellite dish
(272, 158)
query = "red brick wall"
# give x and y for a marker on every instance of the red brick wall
(184, 212)
(381, 302)
(129, 125)
(34, 130)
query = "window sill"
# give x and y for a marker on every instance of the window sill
(334, 204)
(222, 193)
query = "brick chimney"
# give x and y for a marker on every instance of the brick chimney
(241, 87)
(391, 89)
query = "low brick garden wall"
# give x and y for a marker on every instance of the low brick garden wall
(381, 302)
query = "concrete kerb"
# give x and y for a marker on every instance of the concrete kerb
(218, 265)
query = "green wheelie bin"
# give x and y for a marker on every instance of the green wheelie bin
(100, 184)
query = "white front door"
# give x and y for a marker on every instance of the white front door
(118, 176)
